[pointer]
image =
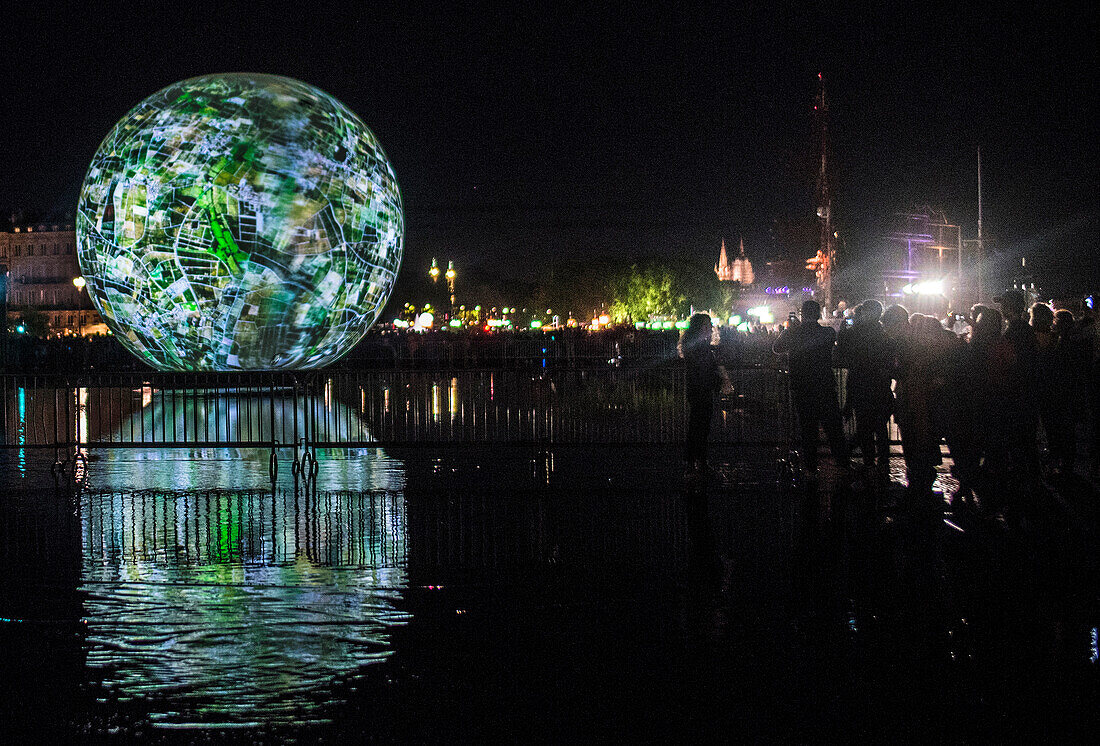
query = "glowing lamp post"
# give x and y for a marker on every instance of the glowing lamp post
(450, 275)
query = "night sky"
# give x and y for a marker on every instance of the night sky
(525, 138)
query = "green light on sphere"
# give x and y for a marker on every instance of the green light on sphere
(239, 222)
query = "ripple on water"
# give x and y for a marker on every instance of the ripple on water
(239, 608)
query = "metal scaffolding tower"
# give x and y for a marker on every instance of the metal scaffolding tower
(825, 262)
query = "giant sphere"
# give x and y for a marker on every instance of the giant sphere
(239, 222)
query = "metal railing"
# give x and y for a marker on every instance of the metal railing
(604, 405)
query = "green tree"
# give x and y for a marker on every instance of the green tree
(641, 293)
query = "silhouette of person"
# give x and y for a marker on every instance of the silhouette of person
(809, 346)
(1063, 394)
(703, 378)
(1020, 377)
(895, 322)
(1049, 390)
(977, 421)
(923, 410)
(865, 350)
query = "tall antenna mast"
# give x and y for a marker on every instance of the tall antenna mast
(981, 248)
(826, 257)
(979, 192)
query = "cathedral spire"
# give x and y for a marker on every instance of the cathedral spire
(740, 270)
(722, 267)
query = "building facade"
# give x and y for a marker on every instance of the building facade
(41, 268)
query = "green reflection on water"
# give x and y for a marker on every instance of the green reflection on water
(239, 607)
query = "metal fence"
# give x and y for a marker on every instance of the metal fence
(604, 405)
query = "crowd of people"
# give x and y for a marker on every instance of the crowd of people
(23, 353)
(386, 348)
(993, 388)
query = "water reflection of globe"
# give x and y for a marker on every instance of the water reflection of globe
(235, 222)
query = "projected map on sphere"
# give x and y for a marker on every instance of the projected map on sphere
(239, 221)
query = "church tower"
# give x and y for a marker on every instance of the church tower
(740, 270)
(722, 268)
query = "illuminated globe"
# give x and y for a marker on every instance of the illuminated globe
(239, 222)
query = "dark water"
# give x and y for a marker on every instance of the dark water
(511, 594)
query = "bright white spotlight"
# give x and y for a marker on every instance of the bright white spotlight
(932, 287)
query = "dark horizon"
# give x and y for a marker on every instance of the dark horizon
(520, 139)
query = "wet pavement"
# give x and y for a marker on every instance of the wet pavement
(515, 594)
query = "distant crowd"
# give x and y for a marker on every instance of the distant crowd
(987, 388)
(69, 354)
(384, 348)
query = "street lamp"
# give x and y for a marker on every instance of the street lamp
(79, 283)
(434, 271)
(451, 274)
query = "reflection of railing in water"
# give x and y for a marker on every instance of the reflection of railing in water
(154, 528)
(285, 409)
(237, 607)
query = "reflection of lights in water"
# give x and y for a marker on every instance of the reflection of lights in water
(81, 431)
(188, 468)
(542, 466)
(435, 402)
(82, 415)
(240, 608)
(362, 400)
(231, 416)
(22, 434)
(386, 399)
(490, 387)
(251, 420)
(146, 395)
(452, 405)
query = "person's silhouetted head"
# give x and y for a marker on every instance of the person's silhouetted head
(811, 312)
(987, 327)
(868, 312)
(1063, 322)
(926, 329)
(895, 320)
(1012, 302)
(698, 333)
(975, 312)
(1042, 317)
